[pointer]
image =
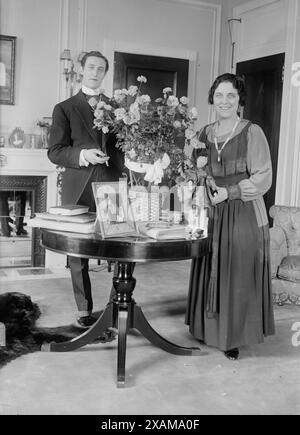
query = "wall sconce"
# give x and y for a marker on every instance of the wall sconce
(72, 77)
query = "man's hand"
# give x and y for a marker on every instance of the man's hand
(95, 156)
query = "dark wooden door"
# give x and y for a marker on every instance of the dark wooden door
(264, 82)
(161, 72)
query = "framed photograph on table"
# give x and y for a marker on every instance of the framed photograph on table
(114, 213)
(7, 69)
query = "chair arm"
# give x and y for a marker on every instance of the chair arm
(278, 248)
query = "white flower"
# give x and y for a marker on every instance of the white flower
(99, 113)
(176, 124)
(120, 113)
(143, 99)
(119, 95)
(201, 162)
(101, 104)
(184, 100)
(107, 107)
(142, 79)
(172, 101)
(167, 90)
(131, 154)
(197, 144)
(105, 129)
(189, 133)
(131, 118)
(194, 112)
(134, 107)
(132, 90)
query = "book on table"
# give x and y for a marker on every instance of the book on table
(79, 218)
(163, 231)
(69, 209)
(84, 224)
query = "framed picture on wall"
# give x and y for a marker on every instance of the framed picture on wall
(7, 69)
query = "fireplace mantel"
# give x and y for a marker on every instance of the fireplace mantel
(33, 162)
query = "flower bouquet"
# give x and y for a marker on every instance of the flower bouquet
(152, 134)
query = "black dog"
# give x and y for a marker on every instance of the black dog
(19, 314)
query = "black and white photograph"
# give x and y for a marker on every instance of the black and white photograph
(7, 69)
(114, 216)
(149, 210)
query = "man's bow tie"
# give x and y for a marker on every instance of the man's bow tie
(93, 100)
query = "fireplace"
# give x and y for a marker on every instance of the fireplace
(28, 173)
(21, 245)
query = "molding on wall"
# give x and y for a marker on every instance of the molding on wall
(82, 25)
(215, 55)
(63, 42)
(288, 152)
(261, 49)
(253, 5)
(195, 3)
(110, 46)
(295, 191)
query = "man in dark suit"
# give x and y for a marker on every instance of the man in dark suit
(88, 155)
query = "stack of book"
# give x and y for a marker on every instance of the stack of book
(73, 218)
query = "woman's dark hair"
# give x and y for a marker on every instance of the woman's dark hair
(95, 54)
(237, 82)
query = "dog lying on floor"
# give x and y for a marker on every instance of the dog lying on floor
(19, 315)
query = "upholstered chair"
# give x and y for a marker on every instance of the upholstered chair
(285, 254)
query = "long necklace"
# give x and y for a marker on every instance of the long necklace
(226, 141)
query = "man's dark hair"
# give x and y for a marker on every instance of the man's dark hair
(95, 54)
(237, 82)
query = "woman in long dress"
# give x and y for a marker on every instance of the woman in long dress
(230, 296)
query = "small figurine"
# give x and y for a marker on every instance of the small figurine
(17, 138)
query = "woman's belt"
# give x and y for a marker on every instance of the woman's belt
(230, 180)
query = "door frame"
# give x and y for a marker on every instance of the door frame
(111, 46)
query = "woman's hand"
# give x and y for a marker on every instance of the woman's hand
(220, 196)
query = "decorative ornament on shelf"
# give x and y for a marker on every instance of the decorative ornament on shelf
(45, 125)
(17, 138)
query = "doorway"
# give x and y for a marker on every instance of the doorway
(264, 83)
(161, 72)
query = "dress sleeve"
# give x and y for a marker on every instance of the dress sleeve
(201, 136)
(259, 165)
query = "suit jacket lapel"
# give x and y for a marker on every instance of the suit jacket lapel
(83, 109)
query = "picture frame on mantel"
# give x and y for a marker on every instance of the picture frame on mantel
(7, 69)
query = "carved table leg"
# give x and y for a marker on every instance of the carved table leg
(122, 338)
(124, 284)
(105, 320)
(141, 324)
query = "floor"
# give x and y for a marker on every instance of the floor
(264, 381)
